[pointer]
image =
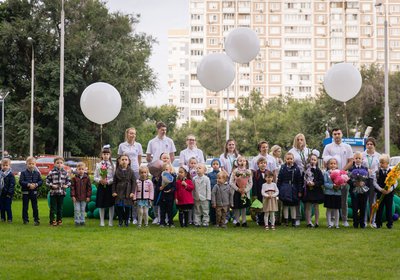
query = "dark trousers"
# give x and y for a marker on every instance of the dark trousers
(213, 216)
(56, 207)
(166, 206)
(387, 202)
(5, 208)
(25, 205)
(359, 204)
(184, 210)
(123, 214)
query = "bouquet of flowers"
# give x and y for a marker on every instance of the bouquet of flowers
(339, 178)
(242, 178)
(357, 176)
(308, 177)
(391, 179)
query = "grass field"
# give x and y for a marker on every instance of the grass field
(91, 252)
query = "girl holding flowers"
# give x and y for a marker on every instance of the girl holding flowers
(334, 180)
(103, 176)
(358, 190)
(241, 183)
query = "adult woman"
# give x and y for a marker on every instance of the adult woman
(276, 153)
(263, 148)
(132, 149)
(371, 161)
(229, 156)
(190, 152)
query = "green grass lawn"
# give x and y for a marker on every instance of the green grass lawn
(92, 252)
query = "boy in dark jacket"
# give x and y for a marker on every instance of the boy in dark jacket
(81, 190)
(30, 180)
(7, 184)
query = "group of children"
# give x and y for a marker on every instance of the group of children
(194, 191)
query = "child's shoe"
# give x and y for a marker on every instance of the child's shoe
(77, 224)
(53, 223)
(237, 225)
(310, 225)
(26, 222)
(59, 222)
(102, 224)
(273, 227)
(83, 224)
(36, 223)
(266, 227)
(316, 225)
(245, 224)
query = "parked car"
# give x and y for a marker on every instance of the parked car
(394, 161)
(46, 163)
(17, 166)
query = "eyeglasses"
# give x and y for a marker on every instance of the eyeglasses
(191, 139)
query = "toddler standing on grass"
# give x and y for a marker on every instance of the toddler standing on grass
(81, 190)
(30, 180)
(215, 164)
(58, 181)
(220, 198)
(7, 185)
(144, 195)
(166, 196)
(270, 194)
(202, 197)
(183, 195)
(333, 195)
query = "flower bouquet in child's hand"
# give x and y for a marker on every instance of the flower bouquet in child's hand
(359, 176)
(339, 178)
(242, 177)
(309, 178)
(103, 172)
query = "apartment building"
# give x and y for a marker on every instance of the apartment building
(299, 41)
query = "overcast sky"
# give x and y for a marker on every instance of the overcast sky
(157, 17)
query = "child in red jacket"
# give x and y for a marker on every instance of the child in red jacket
(81, 190)
(183, 195)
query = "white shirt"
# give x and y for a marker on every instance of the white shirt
(342, 153)
(371, 162)
(187, 154)
(132, 151)
(300, 156)
(271, 163)
(227, 163)
(157, 146)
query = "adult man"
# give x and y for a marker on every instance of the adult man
(344, 155)
(160, 144)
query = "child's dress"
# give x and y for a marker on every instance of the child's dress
(270, 204)
(314, 194)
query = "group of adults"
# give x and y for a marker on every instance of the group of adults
(337, 149)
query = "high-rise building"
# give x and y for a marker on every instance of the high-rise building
(299, 41)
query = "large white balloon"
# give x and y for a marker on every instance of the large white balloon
(216, 71)
(101, 103)
(242, 44)
(343, 81)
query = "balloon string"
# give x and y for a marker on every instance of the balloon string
(345, 118)
(101, 136)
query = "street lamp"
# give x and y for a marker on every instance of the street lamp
(3, 95)
(386, 108)
(31, 41)
(61, 100)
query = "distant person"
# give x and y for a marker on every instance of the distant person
(371, 161)
(220, 198)
(30, 181)
(81, 191)
(276, 153)
(270, 194)
(202, 197)
(263, 148)
(7, 188)
(343, 154)
(229, 156)
(104, 177)
(191, 152)
(160, 144)
(259, 179)
(123, 189)
(144, 196)
(58, 181)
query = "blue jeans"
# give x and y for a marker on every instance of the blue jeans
(79, 211)
(5, 208)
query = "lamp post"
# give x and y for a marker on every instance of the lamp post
(31, 41)
(386, 106)
(61, 100)
(3, 95)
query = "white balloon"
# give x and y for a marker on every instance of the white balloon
(101, 103)
(343, 81)
(242, 44)
(216, 71)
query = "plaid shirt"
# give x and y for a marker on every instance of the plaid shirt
(57, 180)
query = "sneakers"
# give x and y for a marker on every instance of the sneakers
(346, 224)
(155, 221)
(26, 222)
(316, 225)
(337, 227)
(36, 223)
(266, 227)
(234, 222)
(53, 223)
(273, 227)
(102, 224)
(134, 222)
(310, 225)
(59, 223)
(297, 223)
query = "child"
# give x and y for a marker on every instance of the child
(183, 195)
(193, 162)
(144, 195)
(332, 200)
(201, 196)
(358, 190)
(270, 193)
(123, 189)
(165, 158)
(30, 180)
(58, 181)
(166, 196)
(289, 184)
(220, 198)
(241, 183)
(104, 176)
(81, 190)
(313, 191)
(7, 185)
(215, 164)
(379, 183)
(258, 181)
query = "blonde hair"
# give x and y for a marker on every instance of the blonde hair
(165, 165)
(384, 158)
(224, 174)
(127, 130)
(202, 165)
(81, 164)
(6, 160)
(295, 144)
(143, 167)
(289, 154)
(30, 159)
(274, 148)
(357, 153)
